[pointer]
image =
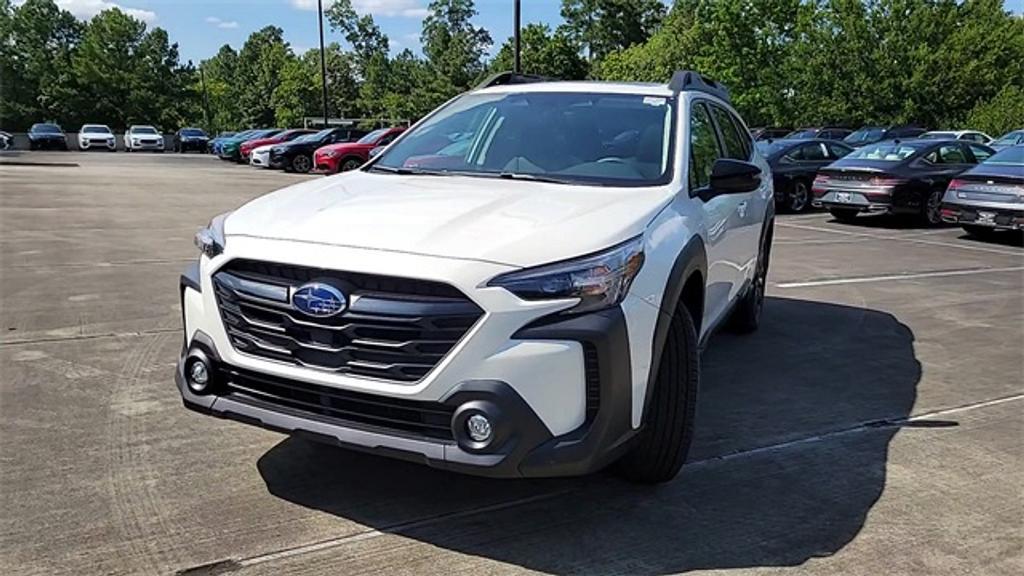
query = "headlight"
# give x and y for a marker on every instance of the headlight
(210, 240)
(599, 280)
(329, 153)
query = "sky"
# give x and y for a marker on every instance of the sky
(201, 27)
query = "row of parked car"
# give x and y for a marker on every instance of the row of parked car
(331, 150)
(871, 134)
(137, 138)
(938, 179)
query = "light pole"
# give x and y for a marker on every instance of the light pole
(516, 64)
(323, 58)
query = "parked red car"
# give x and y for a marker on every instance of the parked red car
(347, 156)
(247, 147)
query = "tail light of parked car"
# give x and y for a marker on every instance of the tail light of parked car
(820, 185)
(1000, 192)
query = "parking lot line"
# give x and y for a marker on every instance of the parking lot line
(902, 239)
(891, 277)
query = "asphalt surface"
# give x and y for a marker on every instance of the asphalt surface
(875, 425)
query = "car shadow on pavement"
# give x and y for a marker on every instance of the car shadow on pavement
(793, 432)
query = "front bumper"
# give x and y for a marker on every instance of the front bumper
(505, 389)
(261, 159)
(94, 144)
(326, 164)
(147, 145)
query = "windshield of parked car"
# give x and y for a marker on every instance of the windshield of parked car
(938, 136)
(373, 136)
(95, 130)
(1009, 139)
(1013, 156)
(802, 134)
(192, 132)
(45, 129)
(865, 135)
(569, 138)
(771, 147)
(885, 152)
(144, 130)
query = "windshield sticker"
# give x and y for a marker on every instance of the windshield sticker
(654, 100)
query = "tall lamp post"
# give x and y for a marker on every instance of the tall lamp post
(516, 65)
(323, 58)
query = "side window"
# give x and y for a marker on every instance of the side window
(748, 143)
(814, 152)
(837, 150)
(952, 154)
(980, 153)
(703, 147)
(734, 147)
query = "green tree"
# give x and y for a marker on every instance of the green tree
(261, 61)
(453, 46)
(1000, 114)
(544, 53)
(105, 66)
(603, 26)
(361, 32)
(222, 88)
(37, 41)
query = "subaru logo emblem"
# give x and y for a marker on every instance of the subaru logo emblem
(320, 300)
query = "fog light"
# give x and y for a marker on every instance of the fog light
(479, 428)
(198, 376)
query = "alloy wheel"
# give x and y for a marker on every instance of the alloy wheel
(800, 197)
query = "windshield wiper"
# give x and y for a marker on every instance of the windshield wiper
(406, 171)
(532, 178)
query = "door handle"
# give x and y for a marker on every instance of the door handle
(742, 209)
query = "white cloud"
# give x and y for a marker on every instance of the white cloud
(389, 8)
(86, 9)
(225, 24)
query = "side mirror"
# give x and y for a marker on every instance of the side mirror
(732, 177)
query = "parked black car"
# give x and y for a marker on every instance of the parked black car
(769, 133)
(894, 176)
(46, 137)
(871, 134)
(297, 155)
(795, 163)
(822, 132)
(190, 139)
(988, 197)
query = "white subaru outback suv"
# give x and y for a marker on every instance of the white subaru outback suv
(517, 286)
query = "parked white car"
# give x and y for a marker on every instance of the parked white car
(143, 137)
(96, 136)
(260, 156)
(532, 304)
(969, 135)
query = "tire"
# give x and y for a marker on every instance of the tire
(982, 232)
(350, 164)
(931, 211)
(799, 199)
(843, 214)
(661, 448)
(301, 164)
(746, 316)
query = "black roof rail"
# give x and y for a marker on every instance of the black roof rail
(690, 80)
(505, 78)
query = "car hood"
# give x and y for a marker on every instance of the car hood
(343, 146)
(516, 223)
(263, 148)
(44, 135)
(95, 135)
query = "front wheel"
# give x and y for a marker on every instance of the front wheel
(661, 449)
(301, 163)
(350, 164)
(843, 214)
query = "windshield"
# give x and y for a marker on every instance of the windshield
(615, 139)
(865, 135)
(192, 132)
(885, 152)
(143, 130)
(768, 147)
(45, 129)
(1009, 139)
(95, 130)
(1009, 157)
(937, 136)
(373, 136)
(802, 134)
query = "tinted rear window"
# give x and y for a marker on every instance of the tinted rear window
(885, 152)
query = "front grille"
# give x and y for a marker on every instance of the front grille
(393, 329)
(428, 419)
(593, 381)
